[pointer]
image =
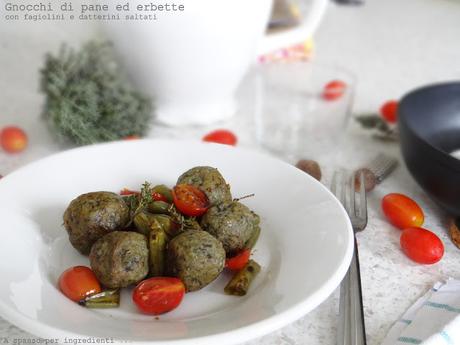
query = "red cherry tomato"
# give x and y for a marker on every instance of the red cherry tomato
(238, 261)
(189, 200)
(334, 90)
(158, 295)
(421, 245)
(159, 197)
(78, 282)
(389, 111)
(221, 136)
(126, 191)
(155, 195)
(13, 139)
(402, 211)
(131, 137)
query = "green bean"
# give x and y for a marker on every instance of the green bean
(253, 239)
(165, 191)
(169, 226)
(159, 207)
(104, 299)
(190, 223)
(157, 248)
(239, 284)
(143, 222)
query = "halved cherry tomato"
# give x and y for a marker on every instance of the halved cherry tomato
(221, 136)
(126, 191)
(155, 195)
(421, 245)
(158, 295)
(189, 200)
(334, 90)
(389, 111)
(78, 282)
(402, 211)
(238, 261)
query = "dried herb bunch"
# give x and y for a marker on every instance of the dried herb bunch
(88, 99)
(382, 130)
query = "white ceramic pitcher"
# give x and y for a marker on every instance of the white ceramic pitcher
(192, 61)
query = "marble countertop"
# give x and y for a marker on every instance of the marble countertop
(391, 46)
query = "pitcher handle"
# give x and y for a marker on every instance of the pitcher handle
(295, 35)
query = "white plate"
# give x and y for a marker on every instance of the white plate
(304, 249)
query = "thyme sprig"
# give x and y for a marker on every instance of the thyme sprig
(145, 197)
(244, 197)
(138, 202)
(183, 221)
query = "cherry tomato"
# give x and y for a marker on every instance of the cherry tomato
(131, 137)
(238, 261)
(126, 191)
(334, 90)
(189, 200)
(78, 282)
(402, 211)
(13, 139)
(158, 295)
(221, 136)
(389, 111)
(159, 197)
(421, 245)
(155, 195)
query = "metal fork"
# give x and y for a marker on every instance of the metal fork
(382, 166)
(351, 329)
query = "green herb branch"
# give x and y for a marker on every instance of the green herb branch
(138, 202)
(382, 130)
(88, 98)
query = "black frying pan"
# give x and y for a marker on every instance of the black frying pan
(429, 124)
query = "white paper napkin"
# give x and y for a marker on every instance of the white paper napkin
(433, 319)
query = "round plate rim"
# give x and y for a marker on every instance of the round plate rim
(247, 333)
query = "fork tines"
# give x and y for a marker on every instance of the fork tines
(382, 165)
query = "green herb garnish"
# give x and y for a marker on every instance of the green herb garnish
(88, 99)
(138, 202)
(383, 131)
